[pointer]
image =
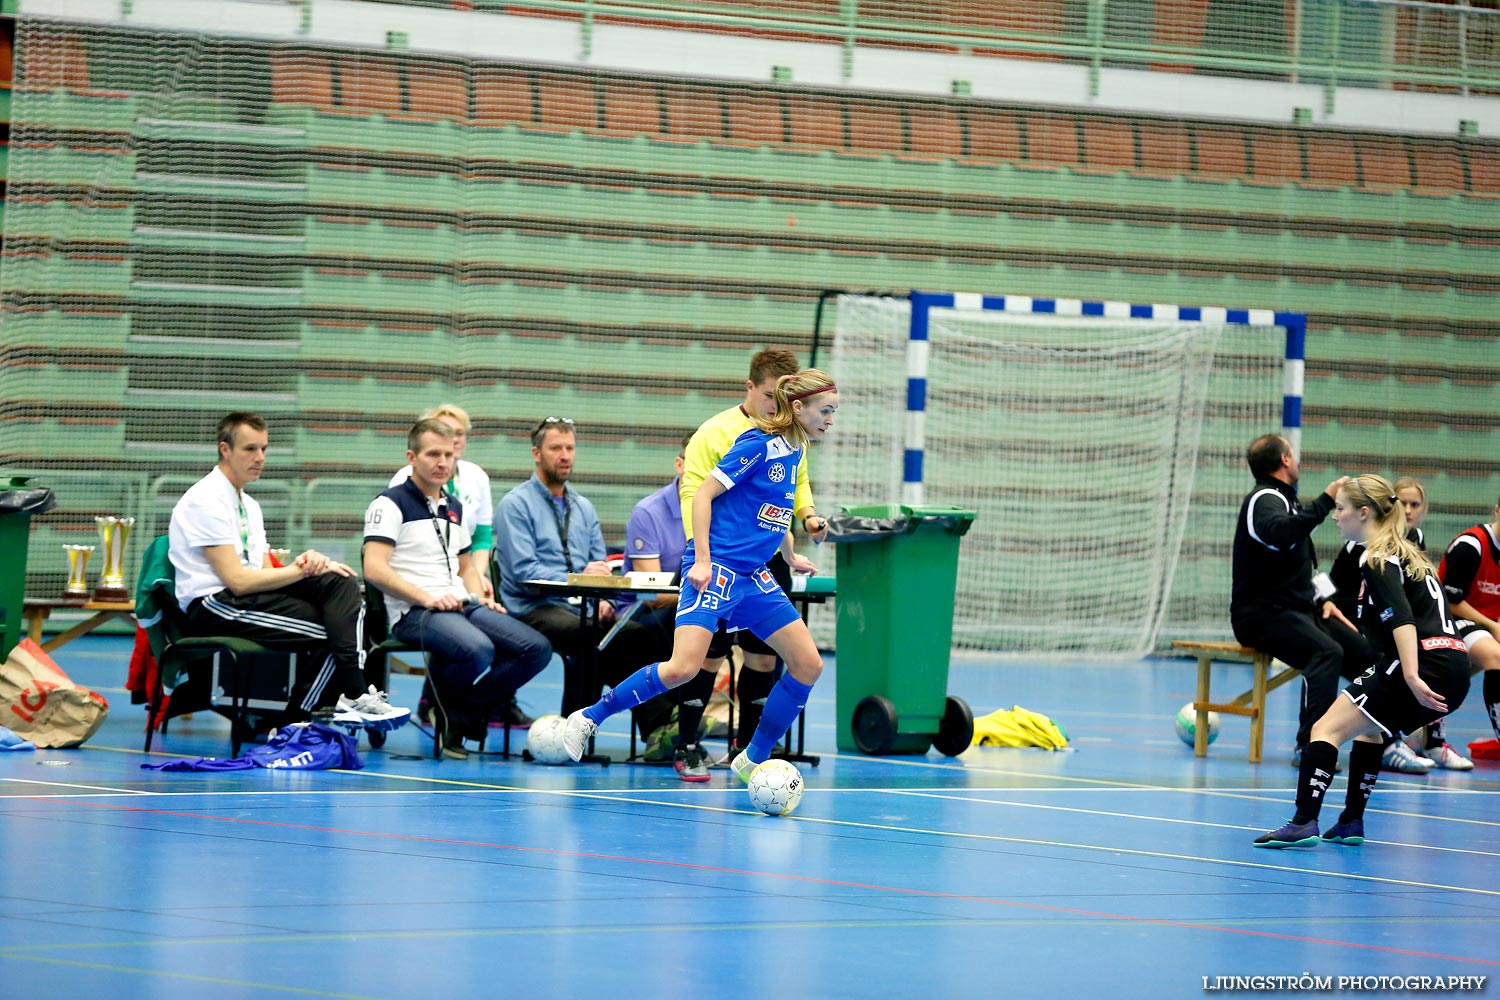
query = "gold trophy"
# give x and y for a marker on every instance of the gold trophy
(114, 531)
(78, 566)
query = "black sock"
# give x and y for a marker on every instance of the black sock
(753, 689)
(692, 700)
(1318, 761)
(1364, 768)
(1492, 699)
(349, 681)
(1435, 736)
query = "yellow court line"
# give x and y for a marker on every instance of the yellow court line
(24, 952)
(189, 977)
(946, 797)
(1102, 783)
(1269, 796)
(988, 837)
(599, 796)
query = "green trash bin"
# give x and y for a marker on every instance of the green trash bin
(18, 503)
(897, 573)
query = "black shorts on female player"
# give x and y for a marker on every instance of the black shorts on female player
(1422, 673)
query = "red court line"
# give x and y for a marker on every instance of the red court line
(688, 866)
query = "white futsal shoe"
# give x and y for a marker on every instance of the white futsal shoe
(579, 731)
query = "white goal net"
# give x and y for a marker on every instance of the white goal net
(1102, 456)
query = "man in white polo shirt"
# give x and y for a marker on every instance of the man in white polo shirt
(227, 584)
(419, 553)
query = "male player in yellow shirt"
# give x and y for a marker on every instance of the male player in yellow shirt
(710, 443)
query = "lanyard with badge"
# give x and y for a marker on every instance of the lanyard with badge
(564, 524)
(439, 512)
(245, 536)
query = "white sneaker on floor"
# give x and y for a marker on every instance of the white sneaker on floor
(371, 710)
(1447, 758)
(580, 729)
(1400, 757)
(742, 765)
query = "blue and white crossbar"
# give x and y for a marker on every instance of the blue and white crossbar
(922, 303)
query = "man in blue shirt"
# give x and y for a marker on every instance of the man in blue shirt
(544, 530)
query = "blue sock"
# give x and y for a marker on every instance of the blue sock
(637, 689)
(783, 704)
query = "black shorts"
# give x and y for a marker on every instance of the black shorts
(1382, 694)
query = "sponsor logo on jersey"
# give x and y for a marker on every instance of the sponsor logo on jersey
(777, 472)
(1387, 614)
(778, 447)
(1444, 642)
(781, 517)
(1487, 587)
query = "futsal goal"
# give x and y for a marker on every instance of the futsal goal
(1101, 444)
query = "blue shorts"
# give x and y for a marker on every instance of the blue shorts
(735, 600)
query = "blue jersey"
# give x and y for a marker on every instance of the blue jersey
(759, 475)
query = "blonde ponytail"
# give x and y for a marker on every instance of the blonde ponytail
(790, 388)
(1389, 535)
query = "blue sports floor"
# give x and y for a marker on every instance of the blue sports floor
(1122, 868)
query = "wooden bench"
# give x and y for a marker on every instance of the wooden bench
(1251, 702)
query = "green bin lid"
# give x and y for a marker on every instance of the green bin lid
(908, 510)
(937, 510)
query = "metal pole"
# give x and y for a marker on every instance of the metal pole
(1463, 46)
(1296, 41)
(1097, 18)
(849, 13)
(1330, 87)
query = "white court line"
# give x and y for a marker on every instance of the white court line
(956, 835)
(68, 784)
(1166, 819)
(696, 789)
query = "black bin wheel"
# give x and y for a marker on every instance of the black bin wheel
(874, 724)
(376, 738)
(956, 731)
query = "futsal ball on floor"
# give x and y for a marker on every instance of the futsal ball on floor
(545, 740)
(1187, 724)
(776, 787)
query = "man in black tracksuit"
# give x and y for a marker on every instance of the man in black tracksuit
(1273, 606)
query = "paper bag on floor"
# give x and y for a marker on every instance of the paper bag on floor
(41, 703)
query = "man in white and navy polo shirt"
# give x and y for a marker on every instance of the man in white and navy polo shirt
(228, 585)
(419, 554)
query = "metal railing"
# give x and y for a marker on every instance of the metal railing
(1446, 47)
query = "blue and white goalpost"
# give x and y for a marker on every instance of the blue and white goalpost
(1100, 442)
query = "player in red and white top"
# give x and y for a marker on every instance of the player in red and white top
(1470, 572)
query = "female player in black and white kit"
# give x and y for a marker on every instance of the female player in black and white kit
(1421, 675)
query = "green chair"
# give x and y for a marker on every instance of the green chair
(230, 662)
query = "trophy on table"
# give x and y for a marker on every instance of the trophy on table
(113, 531)
(77, 588)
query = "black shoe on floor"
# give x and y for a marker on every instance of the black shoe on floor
(453, 747)
(511, 714)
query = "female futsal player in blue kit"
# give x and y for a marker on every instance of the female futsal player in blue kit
(741, 516)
